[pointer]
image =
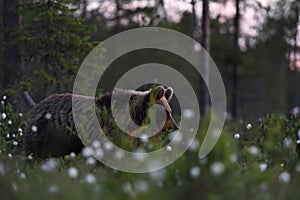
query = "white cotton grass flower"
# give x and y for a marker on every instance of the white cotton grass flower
(119, 154)
(90, 161)
(20, 114)
(72, 155)
(297, 168)
(108, 146)
(9, 122)
(4, 97)
(141, 185)
(169, 148)
(127, 188)
(188, 113)
(217, 168)
(284, 177)
(48, 116)
(7, 135)
(9, 155)
(15, 143)
(23, 176)
(249, 126)
(49, 165)
(96, 144)
(263, 167)
(90, 178)
(3, 115)
(30, 157)
(2, 102)
(195, 172)
(144, 138)
(73, 172)
(233, 158)
(296, 110)
(34, 128)
(158, 175)
(287, 142)
(140, 155)
(195, 145)
(87, 152)
(53, 189)
(254, 150)
(237, 136)
(98, 153)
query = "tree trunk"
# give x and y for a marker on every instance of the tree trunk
(84, 8)
(292, 61)
(117, 14)
(205, 42)
(237, 17)
(162, 4)
(12, 52)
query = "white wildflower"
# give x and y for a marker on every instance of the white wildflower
(90, 178)
(48, 116)
(195, 171)
(237, 136)
(217, 168)
(249, 126)
(287, 142)
(87, 152)
(3, 115)
(30, 157)
(254, 150)
(34, 128)
(73, 172)
(49, 165)
(284, 177)
(188, 113)
(169, 148)
(72, 155)
(53, 189)
(263, 167)
(141, 185)
(22, 176)
(90, 161)
(296, 110)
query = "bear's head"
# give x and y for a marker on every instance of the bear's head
(162, 96)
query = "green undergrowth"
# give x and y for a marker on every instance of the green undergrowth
(251, 160)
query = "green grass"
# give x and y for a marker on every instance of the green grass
(259, 163)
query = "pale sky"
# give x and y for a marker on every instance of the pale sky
(174, 8)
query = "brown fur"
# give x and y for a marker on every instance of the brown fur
(56, 136)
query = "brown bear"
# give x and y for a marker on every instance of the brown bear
(50, 129)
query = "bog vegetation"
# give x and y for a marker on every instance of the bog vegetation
(43, 42)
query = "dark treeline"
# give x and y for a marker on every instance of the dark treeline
(43, 43)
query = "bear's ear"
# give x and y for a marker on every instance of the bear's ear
(158, 92)
(169, 93)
